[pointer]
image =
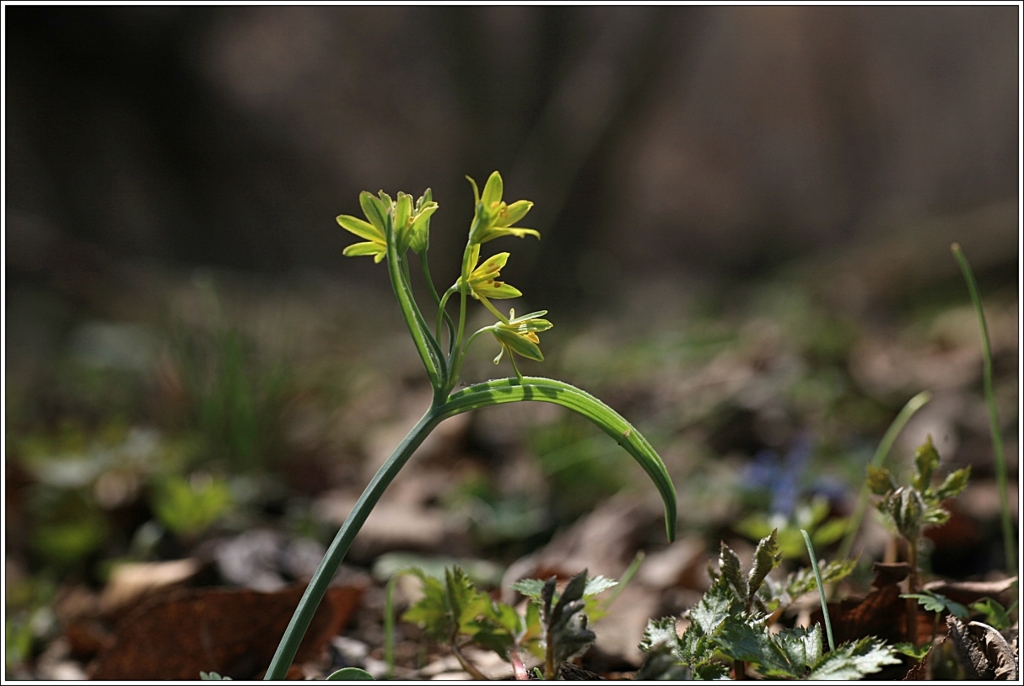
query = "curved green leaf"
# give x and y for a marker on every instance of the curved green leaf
(608, 420)
(350, 674)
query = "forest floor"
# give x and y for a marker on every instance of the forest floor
(179, 457)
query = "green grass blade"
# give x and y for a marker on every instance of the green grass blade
(1009, 542)
(821, 591)
(884, 446)
(608, 420)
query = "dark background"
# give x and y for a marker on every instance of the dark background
(721, 142)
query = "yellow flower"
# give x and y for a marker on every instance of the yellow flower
(412, 224)
(483, 281)
(494, 218)
(373, 231)
(519, 335)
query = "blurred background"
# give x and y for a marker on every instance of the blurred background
(745, 212)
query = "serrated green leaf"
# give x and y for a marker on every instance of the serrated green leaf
(431, 611)
(751, 641)
(729, 565)
(926, 460)
(715, 607)
(767, 557)
(801, 646)
(853, 660)
(954, 484)
(802, 581)
(936, 602)
(879, 480)
(660, 632)
(598, 584)
(531, 588)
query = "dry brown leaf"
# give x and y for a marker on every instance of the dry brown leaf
(229, 631)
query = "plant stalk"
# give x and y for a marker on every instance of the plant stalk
(342, 542)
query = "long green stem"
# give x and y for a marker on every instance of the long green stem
(426, 344)
(477, 396)
(884, 446)
(342, 541)
(1009, 543)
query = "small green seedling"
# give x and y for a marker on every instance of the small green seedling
(915, 507)
(391, 230)
(552, 627)
(732, 621)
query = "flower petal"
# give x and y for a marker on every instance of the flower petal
(374, 210)
(492, 191)
(361, 228)
(518, 344)
(368, 248)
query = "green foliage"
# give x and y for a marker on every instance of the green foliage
(812, 517)
(350, 674)
(553, 626)
(994, 614)
(213, 676)
(453, 612)
(188, 506)
(234, 395)
(936, 602)
(731, 620)
(390, 230)
(917, 506)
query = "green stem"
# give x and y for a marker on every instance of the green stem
(342, 541)
(477, 396)
(426, 344)
(443, 314)
(1009, 542)
(821, 591)
(884, 446)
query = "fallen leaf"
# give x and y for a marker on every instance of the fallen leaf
(233, 632)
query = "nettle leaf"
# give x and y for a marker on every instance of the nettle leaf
(729, 564)
(803, 581)
(598, 584)
(853, 660)
(751, 641)
(660, 632)
(801, 646)
(767, 557)
(954, 484)
(431, 611)
(531, 588)
(718, 603)
(926, 461)
(450, 608)
(879, 481)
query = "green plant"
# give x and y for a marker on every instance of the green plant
(732, 622)
(913, 508)
(188, 506)
(553, 627)
(391, 230)
(1009, 538)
